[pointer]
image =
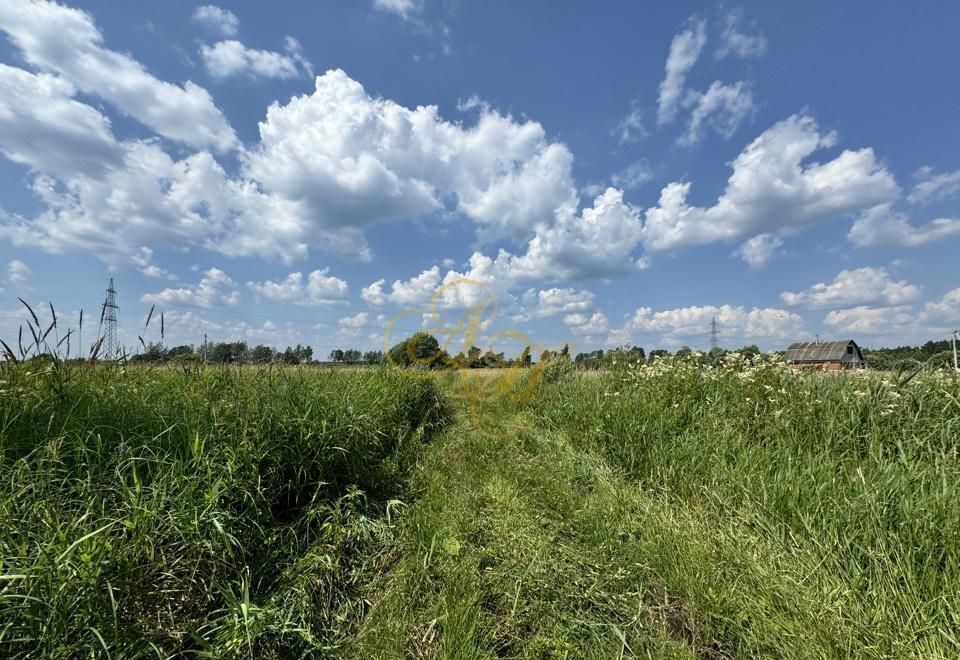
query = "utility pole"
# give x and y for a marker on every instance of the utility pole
(956, 334)
(714, 334)
(111, 349)
(204, 347)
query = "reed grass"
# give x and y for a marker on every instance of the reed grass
(225, 512)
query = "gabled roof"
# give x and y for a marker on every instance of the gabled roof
(824, 351)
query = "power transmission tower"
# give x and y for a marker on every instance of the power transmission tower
(714, 334)
(110, 347)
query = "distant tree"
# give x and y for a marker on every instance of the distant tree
(659, 353)
(545, 356)
(491, 360)
(219, 353)
(525, 360)
(473, 357)
(154, 352)
(373, 357)
(180, 352)
(716, 355)
(352, 356)
(261, 354)
(336, 355)
(306, 354)
(566, 351)
(421, 350)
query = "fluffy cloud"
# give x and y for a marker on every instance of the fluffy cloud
(722, 108)
(582, 324)
(415, 291)
(934, 187)
(945, 310)
(635, 175)
(738, 322)
(899, 323)
(734, 41)
(684, 52)
(759, 250)
(881, 226)
(873, 320)
(229, 58)
(150, 199)
(771, 190)
(17, 272)
(62, 40)
(600, 241)
(852, 288)
(214, 289)
(403, 8)
(355, 322)
(631, 128)
(356, 160)
(318, 289)
(550, 302)
(219, 20)
(44, 128)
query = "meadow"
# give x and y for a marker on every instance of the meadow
(664, 509)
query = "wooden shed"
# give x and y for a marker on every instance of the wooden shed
(826, 355)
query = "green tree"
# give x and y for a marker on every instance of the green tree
(525, 360)
(261, 354)
(421, 350)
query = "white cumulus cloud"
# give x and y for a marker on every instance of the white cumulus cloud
(734, 40)
(62, 40)
(214, 289)
(759, 250)
(219, 20)
(402, 8)
(933, 187)
(772, 190)
(881, 226)
(734, 322)
(850, 288)
(17, 272)
(317, 289)
(231, 58)
(722, 108)
(684, 52)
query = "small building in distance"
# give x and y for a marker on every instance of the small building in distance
(825, 355)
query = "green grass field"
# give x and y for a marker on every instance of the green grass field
(663, 510)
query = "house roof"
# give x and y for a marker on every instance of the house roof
(824, 351)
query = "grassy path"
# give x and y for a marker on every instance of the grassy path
(522, 544)
(525, 543)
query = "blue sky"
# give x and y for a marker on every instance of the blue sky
(610, 173)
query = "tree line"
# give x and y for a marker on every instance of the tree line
(423, 350)
(227, 352)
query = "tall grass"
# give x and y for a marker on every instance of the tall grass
(799, 515)
(224, 512)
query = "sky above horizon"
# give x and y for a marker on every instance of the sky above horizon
(607, 173)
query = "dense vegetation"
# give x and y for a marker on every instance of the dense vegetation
(673, 510)
(693, 505)
(226, 511)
